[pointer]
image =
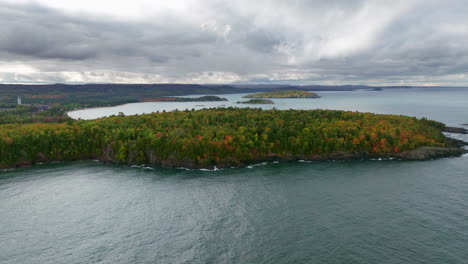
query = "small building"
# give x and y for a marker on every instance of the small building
(18, 100)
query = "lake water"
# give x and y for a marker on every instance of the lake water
(446, 105)
(319, 212)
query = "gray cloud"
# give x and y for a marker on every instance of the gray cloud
(375, 42)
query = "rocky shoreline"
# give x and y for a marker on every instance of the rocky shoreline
(458, 130)
(455, 148)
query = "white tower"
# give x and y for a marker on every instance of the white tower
(18, 100)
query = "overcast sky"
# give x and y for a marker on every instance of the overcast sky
(397, 42)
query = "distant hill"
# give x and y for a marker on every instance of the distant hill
(90, 95)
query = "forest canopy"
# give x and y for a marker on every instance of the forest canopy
(220, 137)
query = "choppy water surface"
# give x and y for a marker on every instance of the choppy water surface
(319, 212)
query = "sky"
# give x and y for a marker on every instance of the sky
(330, 42)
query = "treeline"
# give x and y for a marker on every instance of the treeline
(34, 114)
(94, 95)
(221, 137)
(206, 98)
(57, 112)
(284, 94)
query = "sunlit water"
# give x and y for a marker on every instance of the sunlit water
(319, 212)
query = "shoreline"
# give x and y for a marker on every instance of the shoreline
(97, 107)
(423, 153)
(121, 140)
(104, 107)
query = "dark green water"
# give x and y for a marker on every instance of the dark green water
(321, 212)
(328, 212)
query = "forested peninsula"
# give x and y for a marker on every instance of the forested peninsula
(284, 94)
(206, 98)
(257, 101)
(225, 137)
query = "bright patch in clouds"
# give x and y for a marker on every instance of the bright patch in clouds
(16, 68)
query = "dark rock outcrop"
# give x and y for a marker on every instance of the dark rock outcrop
(426, 153)
(458, 130)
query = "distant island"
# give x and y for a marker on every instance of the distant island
(226, 137)
(375, 89)
(284, 94)
(207, 98)
(257, 101)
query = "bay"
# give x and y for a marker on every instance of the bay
(447, 105)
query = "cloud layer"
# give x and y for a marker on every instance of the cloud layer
(411, 42)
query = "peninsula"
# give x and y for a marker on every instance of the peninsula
(206, 98)
(226, 137)
(284, 94)
(257, 101)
